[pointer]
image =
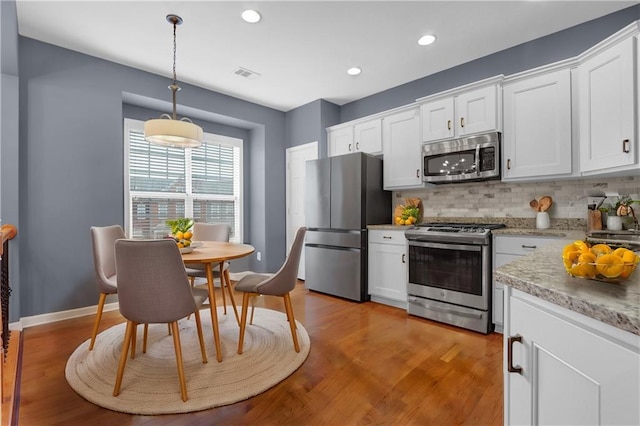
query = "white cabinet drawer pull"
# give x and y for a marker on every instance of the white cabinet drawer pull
(529, 247)
(626, 146)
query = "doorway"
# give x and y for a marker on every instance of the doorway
(296, 159)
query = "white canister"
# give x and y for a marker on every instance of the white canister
(542, 220)
(614, 223)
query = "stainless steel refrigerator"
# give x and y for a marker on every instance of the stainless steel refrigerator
(343, 195)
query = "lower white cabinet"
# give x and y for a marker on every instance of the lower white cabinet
(388, 267)
(574, 370)
(507, 248)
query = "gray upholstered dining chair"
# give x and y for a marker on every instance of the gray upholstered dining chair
(214, 232)
(103, 239)
(279, 284)
(153, 288)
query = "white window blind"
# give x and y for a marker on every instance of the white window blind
(165, 183)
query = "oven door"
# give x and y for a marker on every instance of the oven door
(452, 273)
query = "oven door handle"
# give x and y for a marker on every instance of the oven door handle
(417, 301)
(445, 246)
(477, 162)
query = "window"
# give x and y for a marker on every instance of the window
(162, 183)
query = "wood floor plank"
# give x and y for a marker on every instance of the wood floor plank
(369, 364)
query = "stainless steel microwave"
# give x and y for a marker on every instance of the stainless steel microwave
(461, 160)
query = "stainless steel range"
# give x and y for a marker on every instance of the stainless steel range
(450, 273)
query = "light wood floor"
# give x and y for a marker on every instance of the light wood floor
(369, 364)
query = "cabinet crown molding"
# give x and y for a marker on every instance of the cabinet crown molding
(498, 79)
(630, 30)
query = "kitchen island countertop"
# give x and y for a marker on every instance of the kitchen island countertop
(543, 275)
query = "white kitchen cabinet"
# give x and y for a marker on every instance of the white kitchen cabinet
(607, 109)
(466, 113)
(575, 370)
(365, 136)
(507, 248)
(388, 267)
(401, 146)
(537, 137)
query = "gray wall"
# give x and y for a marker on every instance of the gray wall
(71, 166)
(308, 123)
(9, 146)
(552, 48)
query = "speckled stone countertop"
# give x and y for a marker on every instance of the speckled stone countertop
(562, 228)
(542, 274)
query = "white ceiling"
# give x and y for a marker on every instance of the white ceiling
(302, 49)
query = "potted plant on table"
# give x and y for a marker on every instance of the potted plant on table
(181, 231)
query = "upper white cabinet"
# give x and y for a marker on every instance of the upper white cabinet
(402, 166)
(365, 136)
(537, 126)
(607, 109)
(462, 113)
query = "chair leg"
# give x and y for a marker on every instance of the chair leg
(192, 280)
(169, 327)
(224, 300)
(200, 336)
(144, 338)
(101, 300)
(123, 357)
(253, 308)
(243, 320)
(134, 338)
(227, 279)
(178, 348)
(292, 321)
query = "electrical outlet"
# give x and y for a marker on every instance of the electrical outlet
(259, 256)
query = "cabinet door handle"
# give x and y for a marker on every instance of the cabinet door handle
(626, 146)
(461, 121)
(510, 367)
(403, 258)
(448, 124)
(417, 173)
(386, 238)
(349, 147)
(508, 163)
(357, 146)
(531, 247)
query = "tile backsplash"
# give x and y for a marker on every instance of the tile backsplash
(496, 199)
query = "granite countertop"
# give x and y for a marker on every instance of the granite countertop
(542, 274)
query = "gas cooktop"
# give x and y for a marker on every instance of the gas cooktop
(441, 231)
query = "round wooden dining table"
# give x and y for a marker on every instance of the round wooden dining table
(209, 254)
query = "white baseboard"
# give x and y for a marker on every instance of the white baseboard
(34, 320)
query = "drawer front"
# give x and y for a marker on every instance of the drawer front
(384, 236)
(520, 246)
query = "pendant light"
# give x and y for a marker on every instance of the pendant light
(168, 130)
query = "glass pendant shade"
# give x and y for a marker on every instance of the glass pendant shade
(173, 133)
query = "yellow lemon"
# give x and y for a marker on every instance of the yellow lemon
(609, 265)
(179, 235)
(601, 249)
(188, 235)
(581, 246)
(570, 258)
(583, 270)
(180, 245)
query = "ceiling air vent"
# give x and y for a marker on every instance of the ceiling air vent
(243, 72)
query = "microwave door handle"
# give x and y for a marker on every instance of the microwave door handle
(477, 163)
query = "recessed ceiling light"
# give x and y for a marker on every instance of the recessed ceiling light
(426, 40)
(251, 16)
(354, 71)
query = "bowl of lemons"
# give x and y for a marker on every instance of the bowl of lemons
(599, 261)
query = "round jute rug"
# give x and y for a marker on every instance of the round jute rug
(150, 384)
